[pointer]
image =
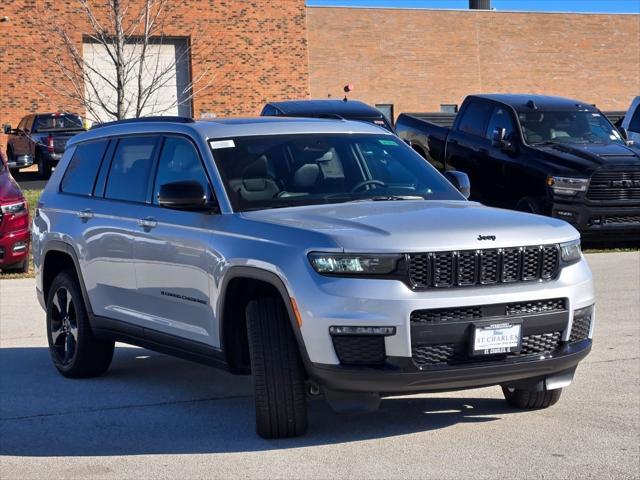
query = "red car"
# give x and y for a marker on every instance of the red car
(14, 223)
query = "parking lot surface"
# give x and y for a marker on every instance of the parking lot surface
(153, 416)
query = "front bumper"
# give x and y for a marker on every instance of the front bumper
(14, 247)
(20, 161)
(592, 220)
(407, 380)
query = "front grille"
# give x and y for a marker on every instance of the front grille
(360, 350)
(482, 267)
(456, 354)
(622, 220)
(615, 185)
(439, 315)
(580, 328)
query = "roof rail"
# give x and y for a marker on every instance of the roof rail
(145, 120)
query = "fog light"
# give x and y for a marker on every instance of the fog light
(341, 330)
(19, 246)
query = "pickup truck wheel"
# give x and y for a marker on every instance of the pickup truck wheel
(529, 205)
(528, 399)
(75, 351)
(44, 168)
(278, 380)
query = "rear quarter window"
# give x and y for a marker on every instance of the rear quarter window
(81, 173)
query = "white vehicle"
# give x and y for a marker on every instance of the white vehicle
(631, 122)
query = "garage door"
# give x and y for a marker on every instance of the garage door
(165, 61)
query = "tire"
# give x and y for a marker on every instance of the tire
(22, 267)
(75, 351)
(278, 378)
(529, 400)
(44, 168)
(529, 205)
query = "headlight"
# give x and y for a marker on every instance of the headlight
(567, 185)
(570, 252)
(16, 209)
(353, 264)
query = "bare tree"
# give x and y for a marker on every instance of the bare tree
(120, 72)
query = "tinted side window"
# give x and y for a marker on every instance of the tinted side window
(130, 170)
(500, 119)
(179, 161)
(22, 123)
(634, 124)
(474, 118)
(83, 168)
(269, 111)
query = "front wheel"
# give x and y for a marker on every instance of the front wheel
(529, 399)
(75, 351)
(278, 379)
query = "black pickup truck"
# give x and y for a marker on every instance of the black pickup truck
(547, 155)
(40, 138)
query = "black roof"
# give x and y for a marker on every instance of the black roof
(350, 108)
(523, 102)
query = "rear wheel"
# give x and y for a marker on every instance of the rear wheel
(528, 399)
(75, 351)
(44, 167)
(278, 379)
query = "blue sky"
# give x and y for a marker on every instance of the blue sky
(605, 6)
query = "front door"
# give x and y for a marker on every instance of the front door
(172, 256)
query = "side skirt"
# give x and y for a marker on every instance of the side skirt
(108, 328)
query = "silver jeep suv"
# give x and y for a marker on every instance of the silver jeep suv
(320, 256)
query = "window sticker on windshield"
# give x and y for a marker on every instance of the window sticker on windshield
(390, 143)
(218, 144)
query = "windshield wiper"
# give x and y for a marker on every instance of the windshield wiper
(389, 198)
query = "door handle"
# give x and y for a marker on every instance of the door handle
(85, 214)
(148, 222)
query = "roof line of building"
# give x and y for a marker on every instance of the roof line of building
(375, 7)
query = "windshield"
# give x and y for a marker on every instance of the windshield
(567, 127)
(53, 122)
(309, 169)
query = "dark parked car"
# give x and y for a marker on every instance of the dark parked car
(14, 223)
(346, 109)
(547, 155)
(40, 138)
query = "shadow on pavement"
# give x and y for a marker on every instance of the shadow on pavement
(153, 404)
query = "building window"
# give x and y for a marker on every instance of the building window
(387, 110)
(449, 108)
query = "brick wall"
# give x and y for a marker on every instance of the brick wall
(253, 50)
(419, 59)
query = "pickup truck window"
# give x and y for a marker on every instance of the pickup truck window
(309, 169)
(54, 122)
(500, 119)
(474, 118)
(634, 124)
(548, 127)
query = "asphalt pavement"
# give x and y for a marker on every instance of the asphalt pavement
(153, 416)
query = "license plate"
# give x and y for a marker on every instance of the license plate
(496, 338)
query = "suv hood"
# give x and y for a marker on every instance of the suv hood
(418, 226)
(585, 158)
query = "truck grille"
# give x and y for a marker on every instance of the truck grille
(621, 220)
(482, 267)
(456, 354)
(439, 315)
(614, 185)
(580, 329)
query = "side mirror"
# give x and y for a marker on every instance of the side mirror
(499, 140)
(6, 128)
(184, 195)
(460, 180)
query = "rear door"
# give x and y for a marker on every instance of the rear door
(122, 193)
(172, 256)
(467, 145)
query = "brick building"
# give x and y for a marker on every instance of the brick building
(412, 60)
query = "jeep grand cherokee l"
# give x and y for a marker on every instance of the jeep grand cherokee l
(320, 256)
